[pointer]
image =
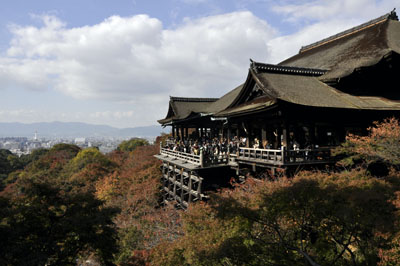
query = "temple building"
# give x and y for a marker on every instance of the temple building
(284, 116)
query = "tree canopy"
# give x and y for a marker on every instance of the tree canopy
(347, 217)
(132, 144)
(66, 204)
(46, 226)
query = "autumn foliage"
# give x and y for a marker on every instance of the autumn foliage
(67, 205)
(347, 217)
(381, 145)
(71, 203)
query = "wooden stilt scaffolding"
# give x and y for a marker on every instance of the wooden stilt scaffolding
(180, 185)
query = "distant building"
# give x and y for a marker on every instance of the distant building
(80, 141)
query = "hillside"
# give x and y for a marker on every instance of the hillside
(68, 205)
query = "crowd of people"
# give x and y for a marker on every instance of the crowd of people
(207, 146)
(216, 149)
(214, 146)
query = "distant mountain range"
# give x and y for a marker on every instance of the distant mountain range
(76, 129)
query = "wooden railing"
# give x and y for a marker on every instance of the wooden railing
(184, 156)
(284, 156)
(308, 155)
(212, 159)
(263, 156)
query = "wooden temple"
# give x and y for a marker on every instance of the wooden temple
(288, 115)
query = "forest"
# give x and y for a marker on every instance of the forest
(73, 206)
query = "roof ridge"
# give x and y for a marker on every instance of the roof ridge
(262, 67)
(192, 99)
(392, 15)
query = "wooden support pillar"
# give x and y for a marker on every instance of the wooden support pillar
(311, 133)
(165, 179)
(182, 133)
(182, 173)
(263, 136)
(173, 131)
(201, 132)
(286, 143)
(199, 188)
(190, 187)
(278, 134)
(186, 133)
(174, 181)
(201, 158)
(285, 137)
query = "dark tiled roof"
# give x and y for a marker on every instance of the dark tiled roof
(261, 67)
(392, 15)
(224, 101)
(188, 99)
(301, 89)
(183, 107)
(247, 108)
(309, 91)
(343, 54)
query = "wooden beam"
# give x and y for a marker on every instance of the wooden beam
(190, 187)
(263, 136)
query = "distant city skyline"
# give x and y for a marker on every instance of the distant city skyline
(117, 62)
(76, 129)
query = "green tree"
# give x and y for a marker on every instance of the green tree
(8, 164)
(71, 149)
(89, 156)
(43, 225)
(313, 219)
(377, 151)
(5, 166)
(130, 145)
(26, 159)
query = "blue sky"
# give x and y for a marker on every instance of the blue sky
(117, 62)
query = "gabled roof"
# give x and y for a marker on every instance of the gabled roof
(310, 91)
(342, 53)
(299, 86)
(183, 107)
(224, 101)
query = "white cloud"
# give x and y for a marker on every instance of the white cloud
(137, 61)
(129, 58)
(285, 46)
(323, 10)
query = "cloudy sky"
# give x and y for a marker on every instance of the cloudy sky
(117, 62)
